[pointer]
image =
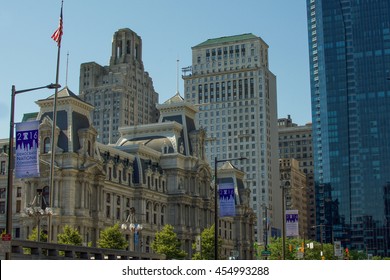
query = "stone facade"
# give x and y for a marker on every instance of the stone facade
(122, 93)
(231, 83)
(296, 195)
(295, 142)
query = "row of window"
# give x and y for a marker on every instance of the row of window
(232, 61)
(223, 77)
(154, 214)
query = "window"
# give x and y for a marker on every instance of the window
(2, 167)
(108, 211)
(2, 207)
(46, 145)
(162, 214)
(118, 213)
(18, 206)
(45, 197)
(2, 192)
(155, 211)
(148, 212)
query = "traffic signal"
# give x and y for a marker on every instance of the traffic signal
(346, 253)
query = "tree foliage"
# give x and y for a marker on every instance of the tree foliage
(207, 251)
(297, 249)
(33, 236)
(70, 236)
(167, 243)
(112, 238)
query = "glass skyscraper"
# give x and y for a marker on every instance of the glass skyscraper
(349, 47)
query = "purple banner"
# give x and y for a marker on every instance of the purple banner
(27, 150)
(292, 223)
(226, 200)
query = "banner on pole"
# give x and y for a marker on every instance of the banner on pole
(226, 200)
(338, 250)
(292, 228)
(27, 150)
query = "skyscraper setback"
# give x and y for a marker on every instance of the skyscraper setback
(349, 46)
(230, 81)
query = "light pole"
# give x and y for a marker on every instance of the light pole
(216, 161)
(14, 92)
(284, 186)
(131, 225)
(321, 226)
(36, 211)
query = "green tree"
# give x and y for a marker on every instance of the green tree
(70, 236)
(167, 243)
(112, 238)
(34, 235)
(207, 251)
(294, 245)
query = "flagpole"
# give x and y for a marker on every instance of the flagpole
(53, 142)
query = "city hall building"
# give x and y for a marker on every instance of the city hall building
(156, 174)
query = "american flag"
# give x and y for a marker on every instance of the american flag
(58, 33)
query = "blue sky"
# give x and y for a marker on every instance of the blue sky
(168, 28)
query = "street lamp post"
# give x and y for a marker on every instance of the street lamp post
(36, 210)
(14, 92)
(216, 161)
(131, 225)
(284, 186)
(321, 239)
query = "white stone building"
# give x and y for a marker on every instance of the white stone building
(231, 83)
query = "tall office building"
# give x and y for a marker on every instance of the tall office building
(122, 93)
(349, 46)
(231, 82)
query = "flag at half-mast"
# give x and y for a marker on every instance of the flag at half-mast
(58, 33)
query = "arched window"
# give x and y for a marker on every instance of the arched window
(162, 214)
(148, 211)
(46, 145)
(155, 212)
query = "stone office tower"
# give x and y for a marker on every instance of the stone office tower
(122, 93)
(231, 82)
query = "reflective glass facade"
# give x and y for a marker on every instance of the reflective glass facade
(349, 46)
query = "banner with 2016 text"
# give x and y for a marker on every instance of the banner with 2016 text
(226, 200)
(27, 150)
(292, 228)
